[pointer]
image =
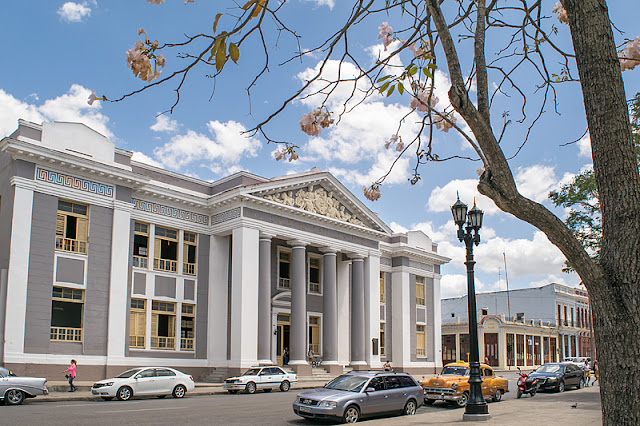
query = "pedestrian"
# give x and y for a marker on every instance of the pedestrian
(285, 355)
(72, 375)
(387, 366)
(310, 355)
(585, 368)
(486, 360)
(596, 373)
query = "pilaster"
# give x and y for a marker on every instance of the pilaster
(372, 309)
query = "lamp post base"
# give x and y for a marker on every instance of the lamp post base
(475, 417)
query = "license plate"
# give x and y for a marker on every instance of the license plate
(305, 409)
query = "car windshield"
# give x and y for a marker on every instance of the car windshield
(128, 373)
(347, 383)
(455, 370)
(549, 368)
(251, 372)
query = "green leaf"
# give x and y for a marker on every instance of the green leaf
(221, 56)
(391, 89)
(384, 87)
(380, 80)
(432, 66)
(215, 21)
(426, 72)
(401, 88)
(413, 71)
(234, 52)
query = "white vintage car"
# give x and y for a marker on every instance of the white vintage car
(261, 378)
(15, 389)
(145, 381)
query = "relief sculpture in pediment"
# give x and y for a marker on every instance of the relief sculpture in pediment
(317, 201)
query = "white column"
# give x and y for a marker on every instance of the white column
(244, 298)
(119, 273)
(180, 252)
(372, 308)
(218, 300)
(400, 320)
(18, 274)
(437, 323)
(344, 306)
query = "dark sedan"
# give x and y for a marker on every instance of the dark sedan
(558, 376)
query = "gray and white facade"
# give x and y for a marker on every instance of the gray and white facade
(117, 263)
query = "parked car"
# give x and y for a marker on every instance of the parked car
(15, 389)
(559, 375)
(359, 394)
(263, 378)
(144, 381)
(580, 360)
(452, 384)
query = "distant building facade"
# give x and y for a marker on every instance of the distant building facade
(117, 263)
(547, 324)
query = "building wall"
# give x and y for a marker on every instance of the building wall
(202, 290)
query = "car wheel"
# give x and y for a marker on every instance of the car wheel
(124, 393)
(519, 393)
(410, 408)
(107, 398)
(498, 396)
(533, 392)
(285, 386)
(14, 397)
(351, 414)
(250, 388)
(561, 386)
(581, 384)
(179, 391)
(267, 390)
(462, 402)
(232, 392)
(428, 401)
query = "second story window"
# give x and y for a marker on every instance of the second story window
(190, 244)
(165, 257)
(420, 291)
(284, 270)
(382, 293)
(314, 275)
(141, 245)
(72, 227)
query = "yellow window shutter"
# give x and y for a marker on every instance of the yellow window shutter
(83, 230)
(154, 325)
(141, 324)
(60, 225)
(156, 253)
(172, 326)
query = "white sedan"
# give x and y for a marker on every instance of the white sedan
(144, 381)
(264, 378)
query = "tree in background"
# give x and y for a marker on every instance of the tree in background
(526, 65)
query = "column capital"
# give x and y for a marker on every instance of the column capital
(297, 243)
(264, 236)
(328, 251)
(357, 257)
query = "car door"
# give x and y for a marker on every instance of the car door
(487, 382)
(277, 376)
(166, 380)
(396, 392)
(376, 400)
(4, 381)
(144, 383)
(264, 378)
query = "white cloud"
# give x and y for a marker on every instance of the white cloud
(329, 3)
(454, 285)
(535, 182)
(74, 12)
(584, 144)
(71, 106)
(225, 147)
(164, 124)
(142, 158)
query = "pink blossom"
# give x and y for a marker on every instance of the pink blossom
(372, 193)
(385, 32)
(92, 98)
(156, 2)
(421, 100)
(630, 55)
(445, 125)
(186, 2)
(313, 122)
(561, 13)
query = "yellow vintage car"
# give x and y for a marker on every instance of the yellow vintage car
(452, 384)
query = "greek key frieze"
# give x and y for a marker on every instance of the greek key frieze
(385, 261)
(225, 216)
(420, 265)
(74, 182)
(175, 213)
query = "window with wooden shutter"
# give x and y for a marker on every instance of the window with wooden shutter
(189, 253)
(421, 348)
(163, 325)
(165, 256)
(314, 334)
(137, 323)
(72, 227)
(420, 291)
(67, 308)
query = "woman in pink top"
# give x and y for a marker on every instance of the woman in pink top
(72, 375)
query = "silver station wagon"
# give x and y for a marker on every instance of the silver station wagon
(14, 389)
(359, 394)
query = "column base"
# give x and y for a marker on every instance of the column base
(475, 417)
(265, 362)
(359, 366)
(332, 369)
(301, 369)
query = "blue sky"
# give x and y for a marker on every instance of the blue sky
(55, 53)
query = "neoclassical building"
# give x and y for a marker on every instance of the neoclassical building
(117, 264)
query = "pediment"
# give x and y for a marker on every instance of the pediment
(325, 197)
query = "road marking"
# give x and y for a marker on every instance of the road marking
(139, 409)
(92, 404)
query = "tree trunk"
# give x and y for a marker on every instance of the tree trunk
(615, 299)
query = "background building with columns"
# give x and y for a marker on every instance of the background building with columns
(117, 263)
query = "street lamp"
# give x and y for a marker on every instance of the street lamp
(469, 223)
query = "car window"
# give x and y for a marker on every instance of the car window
(277, 370)
(377, 383)
(164, 372)
(549, 368)
(393, 382)
(455, 370)
(407, 381)
(265, 372)
(251, 372)
(4, 372)
(128, 373)
(147, 373)
(487, 372)
(347, 383)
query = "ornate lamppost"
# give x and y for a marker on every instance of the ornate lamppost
(476, 408)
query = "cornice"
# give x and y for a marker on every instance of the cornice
(394, 251)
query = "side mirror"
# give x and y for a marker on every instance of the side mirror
(136, 377)
(370, 390)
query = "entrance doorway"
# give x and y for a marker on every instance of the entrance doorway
(491, 348)
(282, 338)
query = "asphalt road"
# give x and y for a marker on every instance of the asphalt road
(260, 408)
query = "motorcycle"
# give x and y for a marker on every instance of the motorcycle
(526, 384)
